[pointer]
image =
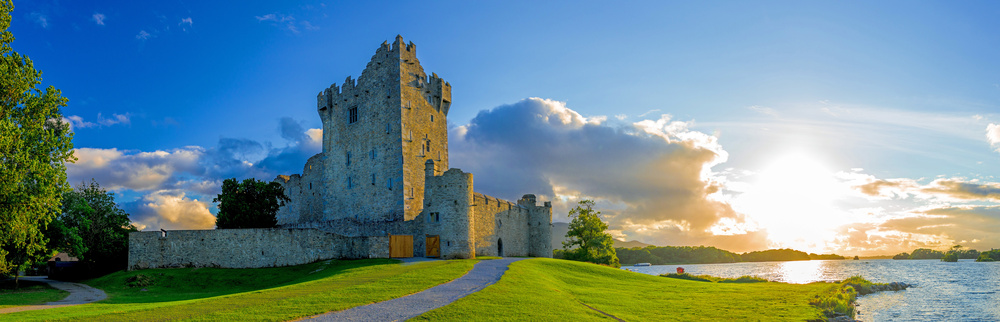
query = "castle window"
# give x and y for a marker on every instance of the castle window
(428, 145)
(387, 128)
(432, 117)
(373, 154)
(437, 216)
(388, 184)
(353, 115)
(373, 179)
(310, 186)
(350, 184)
(348, 158)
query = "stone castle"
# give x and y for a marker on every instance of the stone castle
(382, 170)
(381, 187)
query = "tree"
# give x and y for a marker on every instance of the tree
(92, 228)
(34, 145)
(249, 204)
(587, 233)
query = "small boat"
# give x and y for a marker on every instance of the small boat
(643, 264)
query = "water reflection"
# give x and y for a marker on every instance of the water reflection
(801, 272)
(963, 291)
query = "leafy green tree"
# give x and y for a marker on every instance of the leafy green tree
(34, 145)
(924, 253)
(587, 233)
(249, 204)
(992, 255)
(93, 228)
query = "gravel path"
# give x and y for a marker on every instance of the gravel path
(78, 294)
(483, 274)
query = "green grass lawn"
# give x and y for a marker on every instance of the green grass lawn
(551, 289)
(29, 293)
(277, 294)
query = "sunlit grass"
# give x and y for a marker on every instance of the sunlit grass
(549, 289)
(275, 294)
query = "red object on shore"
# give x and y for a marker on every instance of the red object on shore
(680, 270)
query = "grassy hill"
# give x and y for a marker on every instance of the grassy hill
(269, 294)
(534, 289)
(551, 289)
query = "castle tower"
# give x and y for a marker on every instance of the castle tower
(378, 132)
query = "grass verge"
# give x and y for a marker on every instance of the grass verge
(275, 294)
(29, 293)
(550, 289)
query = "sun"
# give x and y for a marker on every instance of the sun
(793, 199)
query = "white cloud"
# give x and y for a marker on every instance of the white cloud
(77, 122)
(40, 19)
(283, 21)
(993, 135)
(143, 35)
(98, 18)
(186, 21)
(764, 110)
(115, 119)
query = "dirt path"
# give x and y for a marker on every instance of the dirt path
(78, 294)
(483, 274)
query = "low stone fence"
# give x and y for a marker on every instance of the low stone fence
(247, 248)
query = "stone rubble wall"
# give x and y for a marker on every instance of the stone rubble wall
(247, 248)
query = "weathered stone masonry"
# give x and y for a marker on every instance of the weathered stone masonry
(383, 171)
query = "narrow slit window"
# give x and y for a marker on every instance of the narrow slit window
(373, 179)
(387, 128)
(428, 145)
(348, 158)
(373, 154)
(349, 183)
(388, 184)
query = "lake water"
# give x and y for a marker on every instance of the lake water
(963, 291)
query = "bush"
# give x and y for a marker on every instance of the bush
(950, 257)
(139, 280)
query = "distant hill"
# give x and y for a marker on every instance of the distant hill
(559, 230)
(630, 244)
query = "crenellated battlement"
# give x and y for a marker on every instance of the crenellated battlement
(385, 159)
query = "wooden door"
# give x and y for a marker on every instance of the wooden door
(433, 246)
(400, 246)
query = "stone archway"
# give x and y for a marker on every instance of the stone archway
(500, 247)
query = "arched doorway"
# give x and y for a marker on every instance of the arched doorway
(500, 247)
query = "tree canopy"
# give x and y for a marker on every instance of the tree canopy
(93, 228)
(587, 233)
(249, 204)
(34, 146)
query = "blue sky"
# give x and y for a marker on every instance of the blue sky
(171, 96)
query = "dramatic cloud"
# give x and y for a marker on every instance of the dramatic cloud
(168, 209)
(652, 178)
(172, 181)
(993, 135)
(945, 189)
(98, 18)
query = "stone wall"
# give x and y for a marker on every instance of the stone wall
(447, 203)
(247, 248)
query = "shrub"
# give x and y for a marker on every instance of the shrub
(139, 280)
